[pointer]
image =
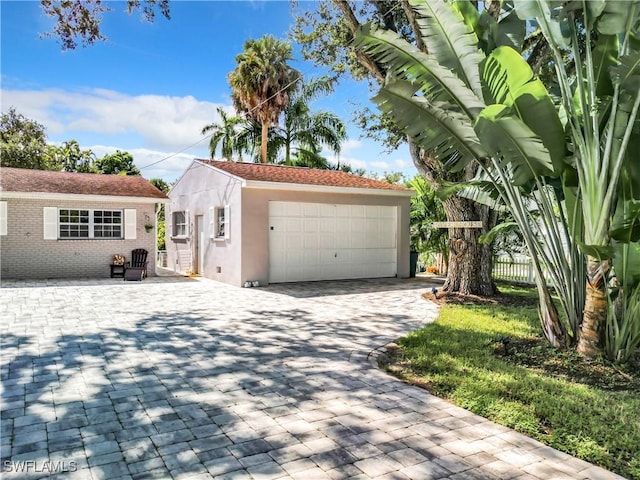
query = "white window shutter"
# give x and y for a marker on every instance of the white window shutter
(50, 218)
(212, 222)
(227, 223)
(187, 220)
(3, 218)
(130, 224)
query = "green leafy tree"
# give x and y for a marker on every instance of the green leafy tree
(69, 157)
(583, 187)
(436, 98)
(23, 142)
(164, 187)
(119, 162)
(427, 208)
(261, 83)
(327, 35)
(80, 20)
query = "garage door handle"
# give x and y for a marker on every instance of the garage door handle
(335, 255)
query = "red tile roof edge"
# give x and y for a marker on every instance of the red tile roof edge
(300, 175)
(45, 181)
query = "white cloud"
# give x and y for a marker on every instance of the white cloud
(350, 145)
(159, 122)
(401, 163)
(381, 165)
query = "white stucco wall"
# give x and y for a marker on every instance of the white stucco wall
(198, 190)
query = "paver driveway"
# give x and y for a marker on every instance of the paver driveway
(181, 378)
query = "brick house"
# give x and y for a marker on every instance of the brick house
(62, 225)
(236, 222)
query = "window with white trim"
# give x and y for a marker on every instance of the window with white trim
(80, 223)
(179, 224)
(220, 222)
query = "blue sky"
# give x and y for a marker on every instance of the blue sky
(151, 87)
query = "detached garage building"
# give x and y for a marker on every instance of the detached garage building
(238, 222)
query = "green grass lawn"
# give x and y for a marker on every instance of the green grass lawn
(457, 359)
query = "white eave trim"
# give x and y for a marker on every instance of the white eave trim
(82, 198)
(199, 163)
(298, 187)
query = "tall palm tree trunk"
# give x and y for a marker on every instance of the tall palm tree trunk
(264, 141)
(595, 308)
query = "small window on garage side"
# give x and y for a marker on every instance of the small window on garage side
(220, 217)
(179, 224)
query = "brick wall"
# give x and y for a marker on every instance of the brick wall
(25, 254)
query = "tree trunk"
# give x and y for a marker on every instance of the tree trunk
(595, 308)
(263, 142)
(470, 262)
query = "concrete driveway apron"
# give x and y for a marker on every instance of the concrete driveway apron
(183, 378)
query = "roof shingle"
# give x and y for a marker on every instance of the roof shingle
(299, 175)
(42, 181)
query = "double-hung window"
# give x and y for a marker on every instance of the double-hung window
(220, 222)
(80, 223)
(179, 224)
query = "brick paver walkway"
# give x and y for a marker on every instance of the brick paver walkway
(181, 378)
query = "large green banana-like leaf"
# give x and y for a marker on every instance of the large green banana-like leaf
(535, 108)
(505, 135)
(508, 79)
(446, 135)
(503, 72)
(450, 40)
(437, 84)
(469, 14)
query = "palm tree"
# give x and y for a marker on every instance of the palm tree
(304, 132)
(224, 133)
(262, 81)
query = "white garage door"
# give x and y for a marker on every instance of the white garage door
(317, 241)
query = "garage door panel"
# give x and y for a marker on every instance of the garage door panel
(327, 241)
(311, 210)
(293, 225)
(311, 225)
(293, 209)
(311, 241)
(293, 241)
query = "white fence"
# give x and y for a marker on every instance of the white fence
(519, 269)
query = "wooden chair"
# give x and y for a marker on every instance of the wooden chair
(136, 269)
